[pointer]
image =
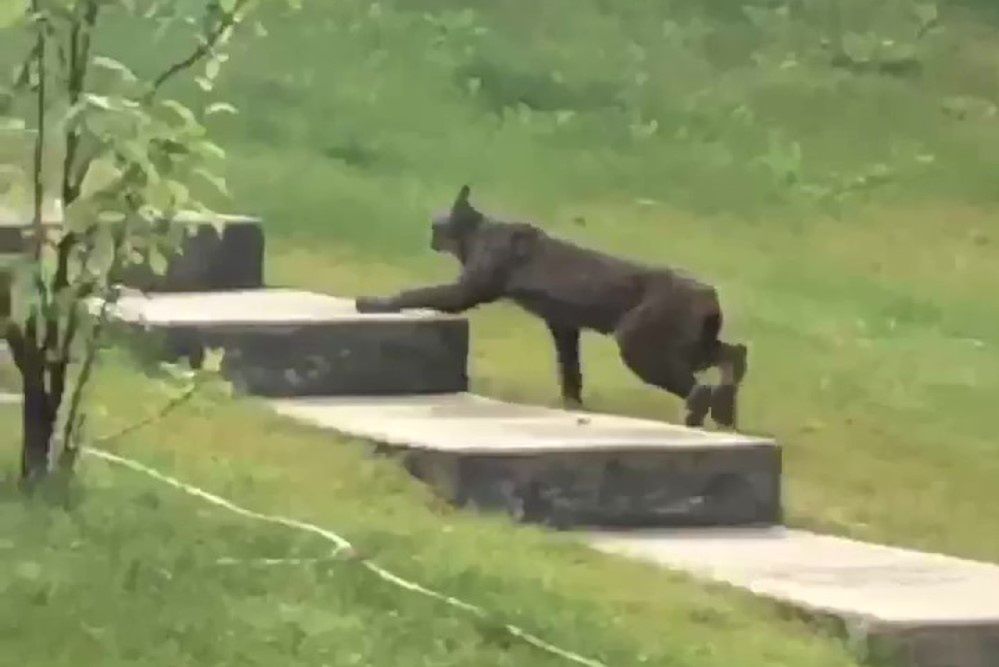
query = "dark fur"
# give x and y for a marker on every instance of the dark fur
(666, 324)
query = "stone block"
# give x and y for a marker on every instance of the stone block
(911, 608)
(15, 236)
(291, 343)
(12, 238)
(564, 468)
(209, 261)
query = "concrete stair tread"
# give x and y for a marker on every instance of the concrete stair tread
(832, 574)
(464, 422)
(562, 467)
(286, 342)
(257, 307)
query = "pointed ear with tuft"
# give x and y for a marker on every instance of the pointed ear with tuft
(461, 202)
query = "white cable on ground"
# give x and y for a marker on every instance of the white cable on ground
(341, 546)
(274, 561)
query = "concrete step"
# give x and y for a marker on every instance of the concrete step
(227, 255)
(560, 467)
(225, 252)
(925, 610)
(283, 342)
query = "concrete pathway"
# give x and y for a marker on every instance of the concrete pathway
(938, 611)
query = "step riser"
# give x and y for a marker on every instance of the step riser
(330, 359)
(971, 646)
(209, 262)
(561, 468)
(596, 489)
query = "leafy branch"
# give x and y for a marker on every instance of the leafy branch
(220, 33)
(129, 166)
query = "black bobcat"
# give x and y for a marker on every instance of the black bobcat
(666, 324)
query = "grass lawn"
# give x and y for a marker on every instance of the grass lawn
(850, 219)
(876, 370)
(130, 574)
(873, 340)
(10, 381)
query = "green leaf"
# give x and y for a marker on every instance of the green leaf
(101, 174)
(220, 107)
(100, 101)
(110, 217)
(24, 297)
(102, 255)
(212, 68)
(158, 195)
(217, 182)
(182, 111)
(213, 360)
(113, 65)
(136, 152)
(79, 216)
(209, 149)
(179, 193)
(157, 262)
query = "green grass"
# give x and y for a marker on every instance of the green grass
(868, 309)
(873, 345)
(129, 574)
(876, 370)
(10, 381)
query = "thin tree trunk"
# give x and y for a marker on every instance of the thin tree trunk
(38, 427)
(38, 419)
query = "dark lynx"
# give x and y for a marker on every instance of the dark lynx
(666, 324)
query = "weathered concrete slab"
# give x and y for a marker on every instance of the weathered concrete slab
(282, 342)
(560, 467)
(209, 261)
(16, 229)
(12, 237)
(926, 609)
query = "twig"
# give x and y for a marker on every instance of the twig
(76, 398)
(227, 21)
(38, 184)
(163, 412)
(79, 50)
